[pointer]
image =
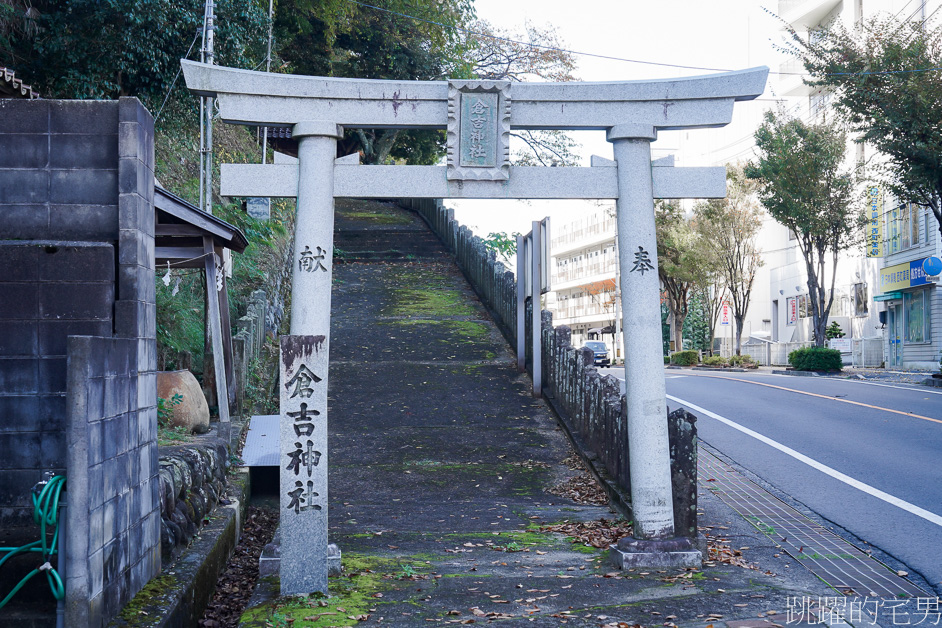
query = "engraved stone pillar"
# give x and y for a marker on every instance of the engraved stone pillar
(303, 464)
(649, 462)
(304, 363)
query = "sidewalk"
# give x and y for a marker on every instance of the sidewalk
(441, 466)
(869, 374)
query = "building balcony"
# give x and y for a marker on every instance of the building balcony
(587, 236)
(580, 276)
(571, 316)
(805, 14)
(791, 79)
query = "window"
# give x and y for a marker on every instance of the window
(804, 311)
(904, 227)
(819, 102)
(916, 311)
(861, 302)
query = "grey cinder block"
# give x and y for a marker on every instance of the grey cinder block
(84, 187)
(24, 151)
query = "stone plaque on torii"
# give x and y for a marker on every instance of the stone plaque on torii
(478, 117)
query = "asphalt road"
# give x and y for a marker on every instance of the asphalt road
(865, 456)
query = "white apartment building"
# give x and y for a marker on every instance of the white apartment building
(584, 266)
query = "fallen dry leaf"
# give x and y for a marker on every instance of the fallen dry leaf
(599, 534)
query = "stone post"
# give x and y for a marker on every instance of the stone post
(521, 303)
(644, 367)
(304, 363)
(303, 464)
(535, 292)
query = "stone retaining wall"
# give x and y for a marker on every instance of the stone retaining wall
(589, 404)
(192, 482)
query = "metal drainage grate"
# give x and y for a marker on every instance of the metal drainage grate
(841, 565)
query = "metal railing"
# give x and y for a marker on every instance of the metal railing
(868, 352)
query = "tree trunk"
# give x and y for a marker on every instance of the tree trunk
(383, 144)
(739, 324)
(679, 331)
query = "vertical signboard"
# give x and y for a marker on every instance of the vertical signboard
(725, 313)
(792, 313)
(875, 223)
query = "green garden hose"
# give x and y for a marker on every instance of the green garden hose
(46, 516)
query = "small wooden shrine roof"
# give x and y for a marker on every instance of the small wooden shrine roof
(180, 228)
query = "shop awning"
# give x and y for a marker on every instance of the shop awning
(888, 296)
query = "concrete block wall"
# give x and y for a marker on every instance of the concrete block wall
(49, 290)
(592, 406)
(58, 170)
(113, 519)
(77, 251)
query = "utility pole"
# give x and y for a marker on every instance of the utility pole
(206, 116)
(271, 17)
(212, 341)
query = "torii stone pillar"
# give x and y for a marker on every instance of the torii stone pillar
(653, 515)
(304, 366)
(314, 227)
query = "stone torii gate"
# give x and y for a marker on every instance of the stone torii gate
(478, 117)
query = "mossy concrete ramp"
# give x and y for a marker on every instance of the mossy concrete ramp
(432, 429)
(441, 463)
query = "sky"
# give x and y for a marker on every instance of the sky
(711, 34)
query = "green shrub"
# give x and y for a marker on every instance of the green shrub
(815, 359)
(685, 358)
(715, 360)
(739, 360)
(833, 331)
(165, 407)
(667, 360)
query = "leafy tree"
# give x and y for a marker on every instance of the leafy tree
(802, 185)
(602, 294)
(502, 243)
(834, 331)
(344, 39)
(710, 291)
(107, 49)
(697, 324)
(728, 228)
(885, 77)
(678, 263)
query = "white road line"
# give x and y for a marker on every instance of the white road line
(913, 389)
(811, 462)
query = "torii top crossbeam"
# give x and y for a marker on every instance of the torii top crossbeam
(259, 98)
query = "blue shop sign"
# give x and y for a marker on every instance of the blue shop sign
(917, 274)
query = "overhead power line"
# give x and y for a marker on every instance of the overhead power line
(532, 45)
(609, 57)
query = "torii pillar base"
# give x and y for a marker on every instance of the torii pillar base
(680, 551)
